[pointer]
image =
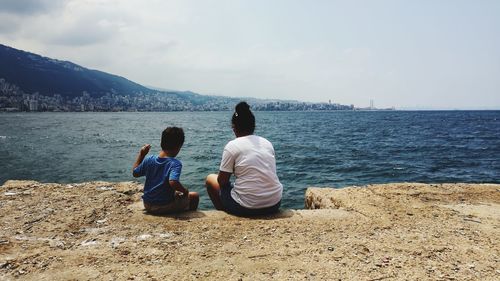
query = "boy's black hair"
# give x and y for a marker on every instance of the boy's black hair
(243, 119)
(172, 138)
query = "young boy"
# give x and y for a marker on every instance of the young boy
(163, 193)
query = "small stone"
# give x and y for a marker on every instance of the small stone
(56, 244)
(143, 237)
(166, 235)
(89, 242)
(116, 241)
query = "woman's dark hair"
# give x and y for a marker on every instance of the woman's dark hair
(172, 138)
(243, 119)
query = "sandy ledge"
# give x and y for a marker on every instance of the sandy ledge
(402, 231)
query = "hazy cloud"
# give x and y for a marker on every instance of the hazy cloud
(84, 33)
(29, 7)
(9, 24)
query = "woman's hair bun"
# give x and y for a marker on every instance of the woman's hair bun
(242, 108)
(243, 119)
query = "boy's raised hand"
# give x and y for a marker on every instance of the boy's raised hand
(140, 157)
(145, 149)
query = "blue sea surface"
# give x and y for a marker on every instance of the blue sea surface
(324, 149)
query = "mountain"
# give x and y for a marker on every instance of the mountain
(34, 73)
(30, 82)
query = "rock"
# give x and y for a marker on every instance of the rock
(144, 237)
(89, 242)
(55, 243)
(166, 235)
(104, 233)
(116, 241)
(325, 198)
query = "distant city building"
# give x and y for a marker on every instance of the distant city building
(33, 105)
(14, 99)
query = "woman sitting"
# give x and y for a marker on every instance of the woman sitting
(257, 189)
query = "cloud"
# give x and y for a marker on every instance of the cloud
(83, 33)
(29, 7)
(62, 22)
(18, 16)
(9, 24)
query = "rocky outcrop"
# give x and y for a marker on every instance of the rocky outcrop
(98, 230)
(360, 196)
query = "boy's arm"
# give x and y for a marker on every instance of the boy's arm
(176, 185)
(140, 157)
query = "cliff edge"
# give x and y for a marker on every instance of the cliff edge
(403, 231)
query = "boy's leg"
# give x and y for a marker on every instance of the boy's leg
(213, 190)
(194, 199)
(173, 207)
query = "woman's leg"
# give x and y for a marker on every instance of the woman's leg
(194, 199)
(213, 190)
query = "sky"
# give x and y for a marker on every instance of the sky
(411, 54)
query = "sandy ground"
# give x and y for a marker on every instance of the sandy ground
(404, 231)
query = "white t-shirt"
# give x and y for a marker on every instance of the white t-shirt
(251, 159)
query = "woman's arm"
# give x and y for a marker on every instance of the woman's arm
(223, 179)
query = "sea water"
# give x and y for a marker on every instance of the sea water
(322, 149)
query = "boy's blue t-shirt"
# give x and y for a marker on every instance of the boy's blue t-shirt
(158, 172)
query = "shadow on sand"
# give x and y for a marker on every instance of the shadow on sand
(180, 216)
(282, 214)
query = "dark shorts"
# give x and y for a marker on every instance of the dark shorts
(179, 204)
(234, 208)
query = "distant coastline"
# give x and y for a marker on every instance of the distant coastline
(30, 82)
(14, 100)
